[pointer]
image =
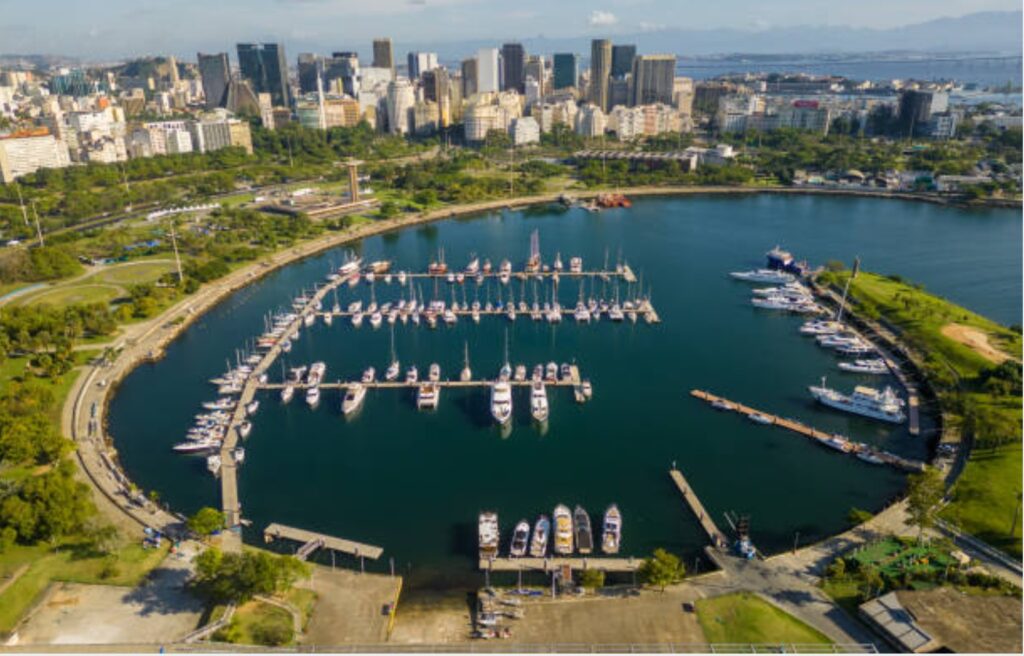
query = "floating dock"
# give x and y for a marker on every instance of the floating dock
(716, 536)
(644, 309)
(556, 563)
(858, 449)
(626, 273)
(311, 541)
(573, 381)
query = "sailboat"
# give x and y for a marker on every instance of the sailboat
(394, 368)
(466, 374)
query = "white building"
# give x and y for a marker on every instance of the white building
(487, 75)
(590, 121)
(525, 130)
(401, 99)
(21, 155)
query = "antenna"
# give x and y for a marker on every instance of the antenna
(21, 202)
(177, 257)
(39, 230)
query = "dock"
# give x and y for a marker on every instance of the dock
(556, 563)
(831, 440)
(311, 541)
(625, 272)
(644, 309)
(716, 536)
(401, 384)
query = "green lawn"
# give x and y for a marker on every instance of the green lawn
(132, 273)
(71, 562)
(64, 295)
(258, 623)
(746, 618)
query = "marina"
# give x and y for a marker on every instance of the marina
(717, 537)
(556, 563)
(311, 541)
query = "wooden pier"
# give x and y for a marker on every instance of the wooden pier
(311, 541)
(855, 448)
(645, 309)
(556, 563)
(401, 384)
(626, 273)
(718, 539)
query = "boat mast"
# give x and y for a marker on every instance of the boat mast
(846, 289)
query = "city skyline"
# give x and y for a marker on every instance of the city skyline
(122, 29)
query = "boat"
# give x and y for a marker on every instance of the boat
(466, 374)
(353, 400)
(583, 533)
(244, 429)
(821, 327)
(438, 266)
(412, 375)
(394, 367)
(489, 535)
(370, 375)
(611, 532)
(520, 373)
(287, 392)
(551, 372)
(197, 446)
(587, 389)
(316, 373)
(565, 371)
(238, 455)
(759, 418)
(213, 464)
(501, 401)
(473, 267)
(401, 277)
(376, 319)
(313, 396)
(563, 530)
(869, 457)
(252, 407)
(538, 401)
(769, 276)
(541, 533)
(357, 318)
(884, 405)
(428, 395)
(787, 304)
(520, 539)
(434, 372)
(876, 366)
(328, 318)
(576, 264)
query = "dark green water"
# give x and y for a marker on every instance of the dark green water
(414, 482)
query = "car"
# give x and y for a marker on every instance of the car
(688, 607)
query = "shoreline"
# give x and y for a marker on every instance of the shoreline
(96, 454)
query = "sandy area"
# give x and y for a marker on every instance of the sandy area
(967, 623)
(348, 607)
(976, 340)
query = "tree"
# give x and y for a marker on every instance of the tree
(232, 577)
(592, 578)
(924, 492)
(206, 521)
(662, 569)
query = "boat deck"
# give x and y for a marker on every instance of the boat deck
(808, 431)
(555, 563)
(311, 540)
(718, 538)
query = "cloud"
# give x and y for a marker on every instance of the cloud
(599, 18)
(651, 27)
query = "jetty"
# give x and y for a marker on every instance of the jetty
(624, 272)
(717, 537)
(643, 308)
(311, 541)
(572, 381)
(835, 441)
(556, 563)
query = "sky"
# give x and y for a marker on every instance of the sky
(119, 28)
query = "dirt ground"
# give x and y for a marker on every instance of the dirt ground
(348, 607)
(967, 623)
(976, 340)
(432, 619)
(158, 611)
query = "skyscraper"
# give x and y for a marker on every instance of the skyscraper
(600, 69)
(383, 55)
(469, 77)
(513, 58)
(419, 62)
(264, 66)
(535, 68)
(343, 69)
(435, 89)
(622, 60)
(309, 67)
(566, 70)
(653, 79)
(487, 70)
(215, 74)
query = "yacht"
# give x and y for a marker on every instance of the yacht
(538, 401)
(875, 366)
(759, 418)
(401, 277)
(370, 375)
(197, 446)
(287, 392)
(252, 407)
(354, 396)
(611, 534)
(587, 389)
(466, 374)
(520, 373)
(434, 373)
(721, 404)
(213, 464)
(238, 455)
(541, 533)
(357, 318)
(501, 402)
(538, 373)
(244, 429)
(328, 318)
(563, 530)
(489, 535)
(802, 306)
(412, 375)
(376, 319)
(473, 267)
(821, 327)
(883, 405)
(223, 403)
(769, 276)
(520, 539)
(551, 372)
(316, 373)
(313, 396)
(576, 264)
(428, 395)
(584, 533)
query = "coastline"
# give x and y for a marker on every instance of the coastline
(96, 453)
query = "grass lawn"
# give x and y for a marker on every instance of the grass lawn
(845, 592)
(132, 273)
(258, 623)
(64, 295)
(72, 562)
(746, 618)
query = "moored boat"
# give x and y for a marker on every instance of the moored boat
(611, 533)
(541, 533)
(353, 399)
(562, 530)
(520, 539)
(487, 527)
(583, 532)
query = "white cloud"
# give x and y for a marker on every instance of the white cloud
(651, 27)
(599, 18)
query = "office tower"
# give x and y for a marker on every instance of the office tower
(487, 70)
(653, 79)
(916, 109)
(566, 70)
(383, 56)
(600, 68)
(469, 77)
(215, 74)
(264, 66)
(342, 70)
(535, 68)
(419, 62)
(435, 89)
(622, 60)
(172, 72)
(309, 67)
(513, 58)
(401, 98)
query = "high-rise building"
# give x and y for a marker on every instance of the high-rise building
(513, 62)
(310, 66)
(342, 71)
(600, 69)
(566, 70)
(469, 77)
(535, 69)
(264, 66)
(401, 99)
(622, 60)
(916, 109)
(22, 153)
(383, 55)
(419, 62)
(653, 79)
(215, 73)
(487, 70)
(435, 89)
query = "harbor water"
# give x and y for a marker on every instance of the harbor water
(413, 482)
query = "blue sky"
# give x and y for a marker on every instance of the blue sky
(117, 28)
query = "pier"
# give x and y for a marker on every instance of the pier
(859, 449)
(401, 384)
(643, 308)
(556, 563)
(718, 538)
(311, 541)
(626, 273)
